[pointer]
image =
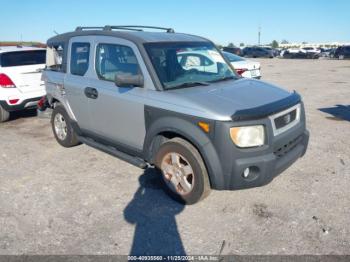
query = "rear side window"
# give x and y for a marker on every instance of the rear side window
(79, 61)
(23, 58)
(54, 57)
(114, 59)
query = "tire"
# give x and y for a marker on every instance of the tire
(62, 128)
(189, 169)
(4, 115)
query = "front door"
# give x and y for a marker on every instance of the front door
(117, 113)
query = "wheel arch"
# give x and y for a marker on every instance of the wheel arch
(53, 100)
(169, 127)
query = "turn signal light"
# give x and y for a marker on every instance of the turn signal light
(204, 126)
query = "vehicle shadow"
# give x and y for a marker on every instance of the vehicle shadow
(23, 114)
(339, 112)
(153, 214)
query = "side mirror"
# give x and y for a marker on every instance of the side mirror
(129, 80)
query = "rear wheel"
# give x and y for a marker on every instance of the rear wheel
(62, 128)
(4, 115)
(183, 171)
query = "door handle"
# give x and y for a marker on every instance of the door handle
(91, 92)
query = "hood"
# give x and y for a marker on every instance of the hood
(225, 98)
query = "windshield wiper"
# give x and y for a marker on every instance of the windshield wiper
(189, 84)
(223, 79)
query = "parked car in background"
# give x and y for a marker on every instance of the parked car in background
(233, 50)
(332, 52)
(298, 53)
(342, 52)
(207, 62)
(243, 67)
(20, 78)
(325, 52)
(311, 50)
(141, 100)
(256, 51)
(275, 51)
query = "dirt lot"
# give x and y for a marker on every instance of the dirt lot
(81, 201)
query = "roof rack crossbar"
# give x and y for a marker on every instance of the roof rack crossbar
(137, 28)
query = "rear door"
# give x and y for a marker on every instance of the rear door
(24, 68)
(78, 78)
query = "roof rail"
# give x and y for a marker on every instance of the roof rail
(124, 27)
(137, 28)
(111, 27)
(81, 28)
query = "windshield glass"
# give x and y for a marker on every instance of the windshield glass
(231, 57)
(185, 64)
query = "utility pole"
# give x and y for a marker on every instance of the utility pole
(259, 34)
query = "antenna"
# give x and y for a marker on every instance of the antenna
(259, 34)
(55, 32)
(21, 41)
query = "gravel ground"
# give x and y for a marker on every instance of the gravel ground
(55, 200)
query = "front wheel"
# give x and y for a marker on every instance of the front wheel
(62, 128)
(183, 171)
(4, 115)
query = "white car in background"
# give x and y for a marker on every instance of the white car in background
(313, 50)
(199, 60)
(243, 67)
(21, 86)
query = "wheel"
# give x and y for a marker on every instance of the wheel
(62, 128)
(183, 171)
(4, 115)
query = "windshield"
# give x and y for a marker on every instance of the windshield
(231, 57)
(185, 64)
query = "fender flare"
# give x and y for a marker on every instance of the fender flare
(194, 135)
(51, 99)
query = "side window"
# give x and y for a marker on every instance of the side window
(79, 61)
(54, 57)
(114, 59)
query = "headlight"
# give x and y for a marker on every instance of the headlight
(248, 136)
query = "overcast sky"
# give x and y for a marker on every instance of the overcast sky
(222, 21)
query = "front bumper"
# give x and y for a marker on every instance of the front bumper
(264, 168)
(264, 163)
(25, 104)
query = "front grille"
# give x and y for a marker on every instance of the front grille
(285, 119)
(283, 150)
